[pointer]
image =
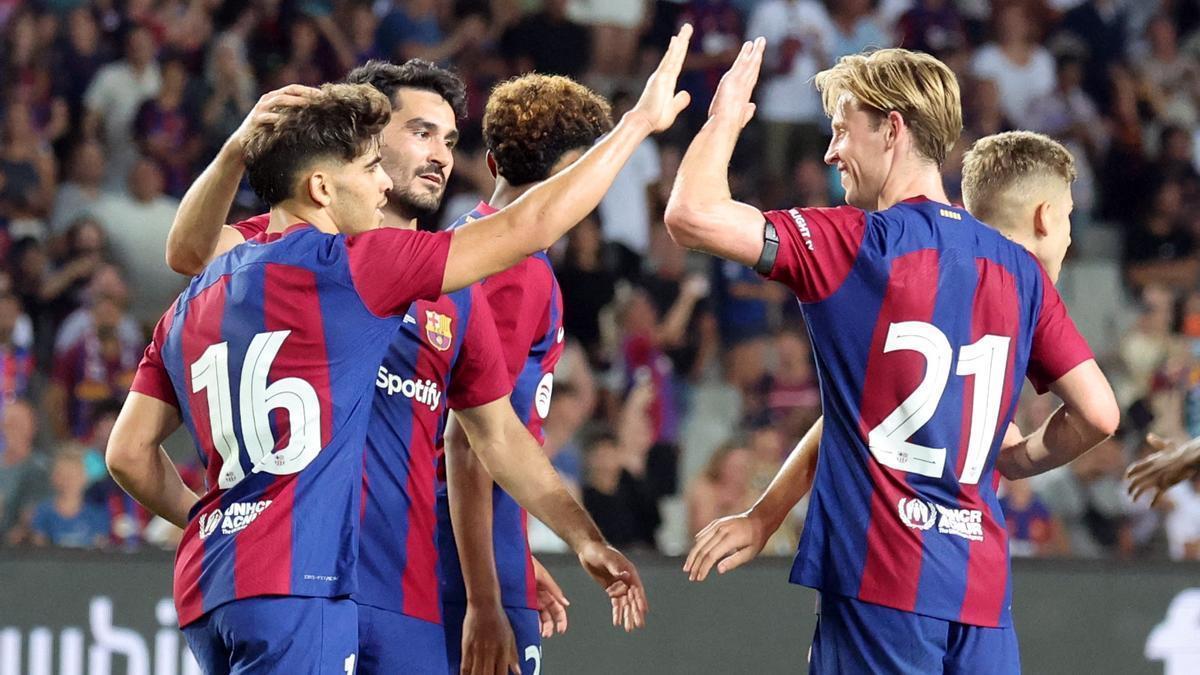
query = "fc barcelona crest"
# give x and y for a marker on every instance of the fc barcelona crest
(437, 330)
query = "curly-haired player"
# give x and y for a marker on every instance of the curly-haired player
(534, 126)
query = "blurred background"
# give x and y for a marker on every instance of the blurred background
(686, 380)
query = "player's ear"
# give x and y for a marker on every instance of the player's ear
(319, 188)
(491, 164)
(893, 123)
(1042, 217)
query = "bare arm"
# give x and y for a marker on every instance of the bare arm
(1088, 416)
(701, 213)
(516, 462)
(735, 540)
(1167, 465)
(544, 214)
(199, 233)
(140, 466)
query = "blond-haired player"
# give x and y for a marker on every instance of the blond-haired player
(924, 321)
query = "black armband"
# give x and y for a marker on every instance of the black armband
(766, 261)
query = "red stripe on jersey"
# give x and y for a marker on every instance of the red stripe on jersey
(994, 311)
(201, 330)
(892, 568)
(262, 562)
(419, 581)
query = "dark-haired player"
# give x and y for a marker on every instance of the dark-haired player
(533, 126)
(215, 186)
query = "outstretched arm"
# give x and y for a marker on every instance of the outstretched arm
(138, 463)
(733, 541)
(544, 214)
(516, 462)
(701, 213)
(198, 233)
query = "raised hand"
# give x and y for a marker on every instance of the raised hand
(620, 580)
(552, 602)
(265, 112)
(1168, 465)
(732, 99)
(660, 104)
(728, 543)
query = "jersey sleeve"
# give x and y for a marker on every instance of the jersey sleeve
(480, 374)
(817, 248)
(390, 267)
(1057, 344)
(519, 298)
(252, 227)
(151, 378)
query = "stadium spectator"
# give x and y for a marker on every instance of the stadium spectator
(790, 393)
(30, 174)
(723, 488)
(1022, 69)
(856, 28)
(135, 220)
(166, 130)
(800, 42)
(76, 63)
(1159, 248)
(99, 367)
(66, 519)
(23, 472)
(112, 100)
(413, 30)
(718, 36)
(933, 26)
(105, 282)
(1171, 79)
(16, 359)
(621, 502)
(230, 90)
(626, 210)
(1182, 504)
(81, 192)
(549, 42)
(1032, 530)
(667, 276)
(587, 284)
(84, 248)
(1099, 26)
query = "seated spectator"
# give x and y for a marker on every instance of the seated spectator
(106, 282)
(98, 368)
(1159, 249)
(1032, 530)
(1182, 504)
(29, 170)
(933, 26)
(66, 519)
(548, 42)
(1170, 77)
(723, 488)
(23, 472)
(665, 281)
(626, 210)
(82, 250)
(82, 190)
(230, 90)
(166, 131)
(138, 221)
(790, 393)
(1022, 69)
(16, 359)
(621, 502)
(587, 284)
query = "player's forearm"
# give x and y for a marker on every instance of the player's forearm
(519, 466)
(148, 475)
(792, 483)
(196, 229)
(470, 491)
(702, 181)
(1062, 438)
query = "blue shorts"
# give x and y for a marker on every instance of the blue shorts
(390, 642)
(860, 637)
(526, 626)
(277, 634)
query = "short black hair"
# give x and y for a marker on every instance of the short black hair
(389, 78)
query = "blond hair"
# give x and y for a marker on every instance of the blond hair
(919, 87)
(1003, 170)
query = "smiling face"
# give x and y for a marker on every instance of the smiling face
(418, 151)
(359, 192)
(859, 150)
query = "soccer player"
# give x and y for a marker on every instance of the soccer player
(924, 322)
(329, 296)
(533, 126)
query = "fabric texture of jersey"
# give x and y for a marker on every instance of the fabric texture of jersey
(527, 306)
(391, 643)
(924, 322)
(862, 638)
(304, 636)
(270, 355)
(445, 355)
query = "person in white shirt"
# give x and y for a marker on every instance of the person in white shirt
(625, 209)
(113, 98)
(1022, 69)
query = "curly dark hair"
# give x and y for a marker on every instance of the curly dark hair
(389, 78)
(343, 123)
(533, 120)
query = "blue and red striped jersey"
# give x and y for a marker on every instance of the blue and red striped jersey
(924, 322)
(446, 355)
(527, 305)
(270, 355)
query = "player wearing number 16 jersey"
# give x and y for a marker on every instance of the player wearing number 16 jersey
(924, 323)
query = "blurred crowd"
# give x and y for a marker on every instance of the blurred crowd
(686, 380)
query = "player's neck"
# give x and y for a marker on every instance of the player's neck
(507, 193)
(401, 221)
(287, 213)
(909, 180)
